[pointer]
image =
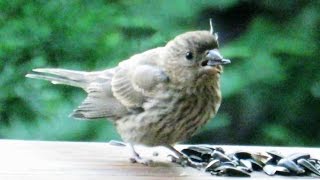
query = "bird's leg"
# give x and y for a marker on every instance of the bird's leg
(182, 159)
(136, 157)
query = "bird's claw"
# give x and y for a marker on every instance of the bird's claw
(185, 161)
(138, 159)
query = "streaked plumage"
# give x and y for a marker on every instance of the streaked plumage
(158, 97)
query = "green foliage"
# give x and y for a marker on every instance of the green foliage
(271, 90)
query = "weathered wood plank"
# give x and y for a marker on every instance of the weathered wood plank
(82, 160)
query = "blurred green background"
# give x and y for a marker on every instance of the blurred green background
(271, 90)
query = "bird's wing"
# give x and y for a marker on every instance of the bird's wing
(100, 101)
(137, 78)
(116, 92)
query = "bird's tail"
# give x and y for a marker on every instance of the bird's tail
(62, 76)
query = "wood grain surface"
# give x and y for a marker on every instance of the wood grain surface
(46, 160)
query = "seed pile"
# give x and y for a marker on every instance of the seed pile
(242, 163)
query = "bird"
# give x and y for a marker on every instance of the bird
(155, 98)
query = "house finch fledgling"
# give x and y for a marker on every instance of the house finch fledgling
(155, 98)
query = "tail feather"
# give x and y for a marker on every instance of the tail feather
(100, 101)
(61, 76)
(71, 74)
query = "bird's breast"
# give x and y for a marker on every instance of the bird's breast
(171, 117)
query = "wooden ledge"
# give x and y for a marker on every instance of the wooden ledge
(48, 160)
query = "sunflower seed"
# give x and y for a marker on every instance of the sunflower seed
(231, 171)
(305, 163)
(292, 166)
(212, 165)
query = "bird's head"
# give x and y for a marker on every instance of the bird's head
(194, 55)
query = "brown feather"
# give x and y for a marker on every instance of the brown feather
(157, 97)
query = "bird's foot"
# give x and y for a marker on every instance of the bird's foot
(185, 161)
(181, 159)
(138, 159)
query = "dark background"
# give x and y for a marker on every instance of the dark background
(271, 90)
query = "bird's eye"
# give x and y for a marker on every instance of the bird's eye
(189, 55)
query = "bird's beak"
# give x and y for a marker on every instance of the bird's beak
(214, 58)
